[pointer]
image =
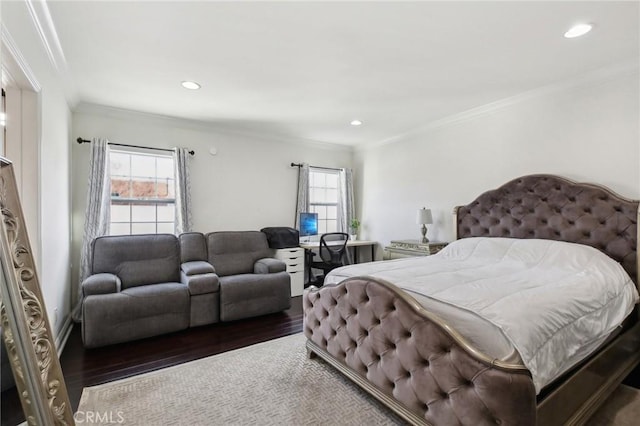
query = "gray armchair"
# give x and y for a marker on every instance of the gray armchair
(135, 290)
(251, 282)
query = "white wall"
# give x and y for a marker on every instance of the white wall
(54, 165)
(589, 133)
(248, 185)
(23, 147)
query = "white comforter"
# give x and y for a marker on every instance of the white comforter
(554, 301)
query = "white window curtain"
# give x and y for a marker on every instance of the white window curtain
(345, 201)
(184, 220)
(97, 214)
(303, 193)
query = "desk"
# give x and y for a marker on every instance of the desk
(315, 245)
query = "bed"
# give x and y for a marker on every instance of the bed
(409, 355)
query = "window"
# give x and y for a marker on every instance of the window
(323, 198)
(142, 193)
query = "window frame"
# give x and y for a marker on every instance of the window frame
(131, 202)
(323, 223)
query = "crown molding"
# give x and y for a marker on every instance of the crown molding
(201, 125)
(9, 45)
(599, 76)
(46, 29)
(42, 21)
(7, 77)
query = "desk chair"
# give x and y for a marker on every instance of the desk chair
(332, 255)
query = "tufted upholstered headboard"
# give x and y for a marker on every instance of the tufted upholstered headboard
(553, 208)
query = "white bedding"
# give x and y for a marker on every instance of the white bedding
(555, 302)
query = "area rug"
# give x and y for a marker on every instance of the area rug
(271, 383)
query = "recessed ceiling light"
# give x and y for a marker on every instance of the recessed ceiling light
(191, 85)
(356, 123)
(578, 30)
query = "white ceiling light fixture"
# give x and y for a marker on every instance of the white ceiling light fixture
(191, 85)
(356, 123)
(578, 30)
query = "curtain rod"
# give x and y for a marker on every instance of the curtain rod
(298, 165)
(81, 141)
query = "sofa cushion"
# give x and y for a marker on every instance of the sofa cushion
(193, 247)
(158, 296)
(249, 295)
(236, 252)
(138, 259)
(135, 313)
(269, 266)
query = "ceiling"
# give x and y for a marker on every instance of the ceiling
(304, 70)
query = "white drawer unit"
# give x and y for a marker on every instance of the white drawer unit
(294, 259)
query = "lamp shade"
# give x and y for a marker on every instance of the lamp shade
(424, 217)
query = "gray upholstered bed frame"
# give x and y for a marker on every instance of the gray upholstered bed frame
(416, 364)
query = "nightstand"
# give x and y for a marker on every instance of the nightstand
(409, 248)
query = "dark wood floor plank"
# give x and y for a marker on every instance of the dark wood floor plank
(89, 367)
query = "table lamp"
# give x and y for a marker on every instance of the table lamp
(424, 218)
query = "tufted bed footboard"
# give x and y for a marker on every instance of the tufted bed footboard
(410, 360)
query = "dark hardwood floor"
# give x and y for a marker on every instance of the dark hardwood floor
(88, 367)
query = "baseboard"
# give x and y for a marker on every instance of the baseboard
(63, 336)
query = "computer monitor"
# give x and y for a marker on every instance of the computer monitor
(308, 224)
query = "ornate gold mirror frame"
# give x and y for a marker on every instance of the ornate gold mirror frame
(27, 334)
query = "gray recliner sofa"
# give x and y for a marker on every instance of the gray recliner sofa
(135, 290)
(145, 285)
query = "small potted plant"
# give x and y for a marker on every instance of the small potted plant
(355, 225)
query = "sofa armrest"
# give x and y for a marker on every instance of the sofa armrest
(101, 284)
(269, 265)
(197, 267)
(201, 283)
